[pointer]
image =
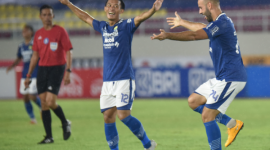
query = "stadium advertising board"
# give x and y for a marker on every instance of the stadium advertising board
(160, 82)
(171, 82)
(85, 83)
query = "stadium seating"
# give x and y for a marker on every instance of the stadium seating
(13, 18)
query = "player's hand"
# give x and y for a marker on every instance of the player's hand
(65, 2)
(67, 78)
(27, 82)
(175, 22)
(8, 69)
(158, 4)
(161, 36)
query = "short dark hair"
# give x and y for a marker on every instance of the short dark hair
(123, 6)
(27, 26)
(45, 7)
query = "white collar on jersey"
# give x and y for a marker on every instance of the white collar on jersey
(220, 15)
(121, 20)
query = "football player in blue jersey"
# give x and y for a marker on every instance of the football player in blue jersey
(118, 88)
(213, 97)
(24, 53)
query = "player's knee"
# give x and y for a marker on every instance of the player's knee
(33, 97)
(109, 118)
(192, 102)
(52, 104)
(122, 116)
(44, 106)
(26, 100)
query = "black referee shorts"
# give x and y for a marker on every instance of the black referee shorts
(49, 78)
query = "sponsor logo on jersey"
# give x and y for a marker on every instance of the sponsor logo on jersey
(214, 30)
(53, 46)
(46, 41)
(26, 55)
(40, 37)
(114, 34)
(129, 21)
(30, 47)
(109, 40)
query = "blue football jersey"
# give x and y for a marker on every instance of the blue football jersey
(25, 52)
(225, 50)
(117, 41)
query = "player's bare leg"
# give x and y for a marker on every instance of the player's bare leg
(29, 108)
(211, 127)
(136, 128)
(110, 115)
(197, 102)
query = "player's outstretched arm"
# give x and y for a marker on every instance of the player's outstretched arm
(84, 16)
(177, 21)
(181, 36)
(15, 63)
(33, 63)
(144, 16)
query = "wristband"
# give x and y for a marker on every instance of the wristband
(28, 75)
(68, 70)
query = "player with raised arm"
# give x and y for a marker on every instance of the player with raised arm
(118, 88)
(24, 54)
(213, 97)
(52, 48)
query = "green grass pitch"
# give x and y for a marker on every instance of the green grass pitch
(171, 123)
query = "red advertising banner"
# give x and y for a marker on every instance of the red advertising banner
(85, 83)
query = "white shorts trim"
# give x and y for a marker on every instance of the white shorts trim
(118, 94)
(32, 87)
(219, 94)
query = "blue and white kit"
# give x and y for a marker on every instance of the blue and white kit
(230, 72)
(25, 53)
(118, 75)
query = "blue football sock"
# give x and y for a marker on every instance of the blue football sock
(111, 135)
(213, 134)
(136, 127)
(38, 102)
(199, 109)
(223, 118)
(29, 109)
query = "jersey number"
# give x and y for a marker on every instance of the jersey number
(214, 97)
(124, 98)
